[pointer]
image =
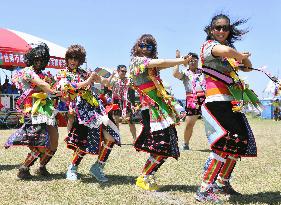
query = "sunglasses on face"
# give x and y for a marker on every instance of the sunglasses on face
(193, 61)
(123, 71)
(223, 28)
(149, 47)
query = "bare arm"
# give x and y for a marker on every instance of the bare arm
(106, 81)
(167, 63)
(99, 79)
(176, 73)
(87, 82)
(226, 51)
(42, 84)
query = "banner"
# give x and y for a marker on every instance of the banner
(16, 59)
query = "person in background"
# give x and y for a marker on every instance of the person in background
(194, 83)
(7, 87)
(276, 109)
(124, 96)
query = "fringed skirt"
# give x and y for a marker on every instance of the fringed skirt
(33, 135)
(86, 132)
(162, 142)
(228, 131)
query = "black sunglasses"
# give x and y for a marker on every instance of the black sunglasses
(149, 47)
(223, 28)
(123, 71)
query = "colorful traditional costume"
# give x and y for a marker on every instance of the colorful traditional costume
(160, 113)
(39, 113)
(229, 133)
(86, 134)
(194, 83)
(124, 96)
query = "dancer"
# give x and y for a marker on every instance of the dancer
(124, 96)
(39, 131)
(90, 129)
(194, 83)
(160, 112)
(228, 131)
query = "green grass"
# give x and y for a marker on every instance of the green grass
(258, 179)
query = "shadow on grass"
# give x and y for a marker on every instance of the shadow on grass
(262, 197)
(8, 167)
(131, 180)
(51, 177)
(202, 150)
(182, 188)
(112, 180)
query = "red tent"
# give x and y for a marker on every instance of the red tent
(14, 44)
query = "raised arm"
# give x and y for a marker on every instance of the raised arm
(107, 81)
(99, 79)
(176, 73)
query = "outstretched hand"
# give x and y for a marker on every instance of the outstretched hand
(94, 77)
(114, 72)
(244, 55)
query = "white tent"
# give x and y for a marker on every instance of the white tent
(269, 90)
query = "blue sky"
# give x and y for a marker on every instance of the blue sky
(108, 29)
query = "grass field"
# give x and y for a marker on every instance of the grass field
(258, 179)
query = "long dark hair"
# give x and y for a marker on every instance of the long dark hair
(41, 51)
(234, 33)
(145, 38)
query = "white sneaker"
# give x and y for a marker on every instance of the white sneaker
(97, 172)
(71, 173)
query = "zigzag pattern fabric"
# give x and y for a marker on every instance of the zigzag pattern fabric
(105, 151)
(152, 164)
(77, 157)
(31, 157)
(226, 170)
(218, 167)
(46, 157)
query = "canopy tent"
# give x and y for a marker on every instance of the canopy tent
(270, 90)
(14, 44)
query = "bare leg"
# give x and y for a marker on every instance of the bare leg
(54, 137)
(70, 122)
(190, 122)
(133, 129)
(116, 119)
(107, 136)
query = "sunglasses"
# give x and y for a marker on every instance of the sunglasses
(223, 28)
(123, 71)
(193, 61)
(149, 47)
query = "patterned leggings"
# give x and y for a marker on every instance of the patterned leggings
(218, 168)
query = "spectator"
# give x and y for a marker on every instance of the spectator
(14, 89)
(6, 87)
(276, 110)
